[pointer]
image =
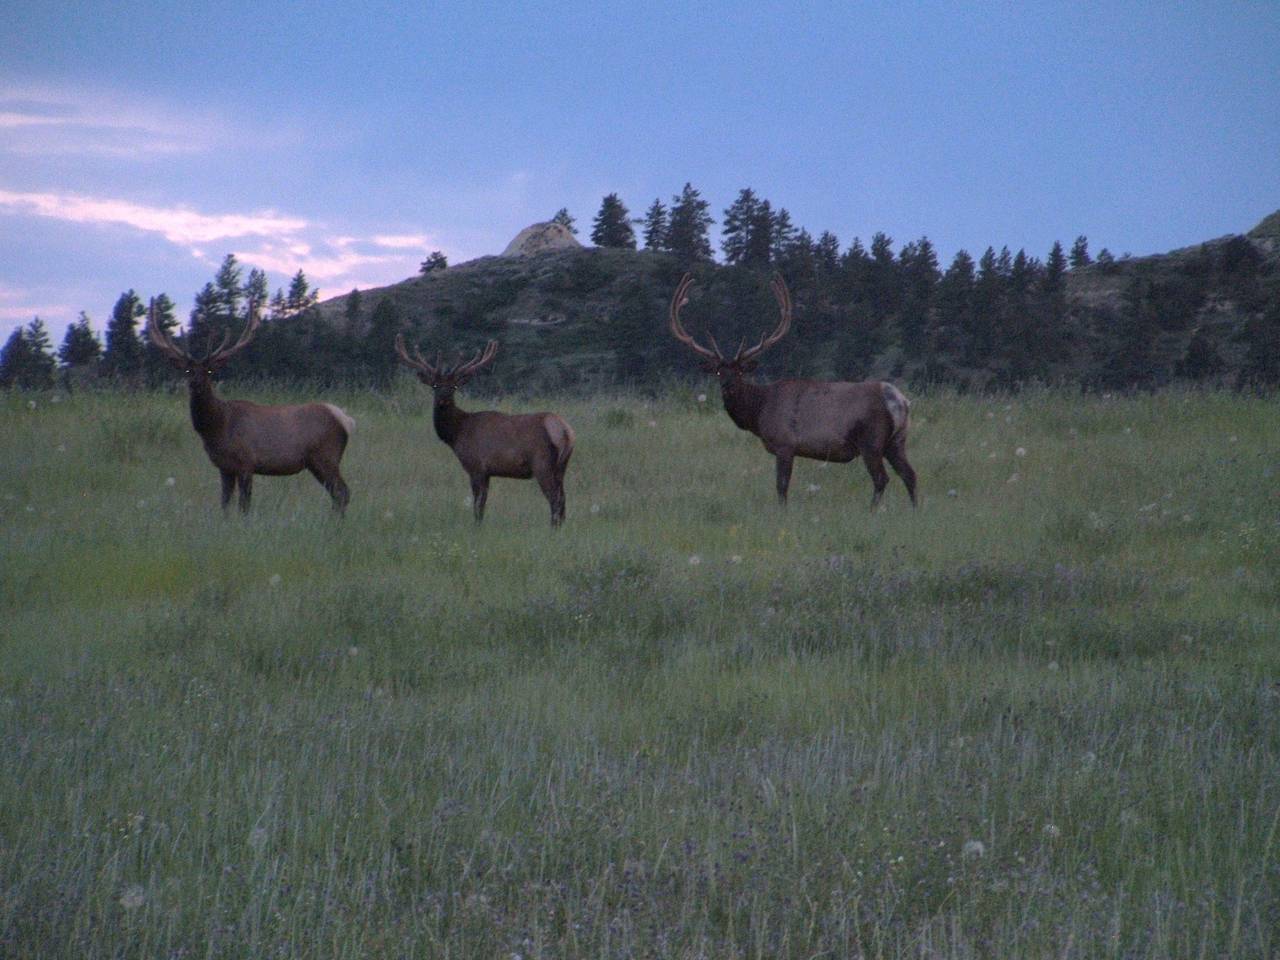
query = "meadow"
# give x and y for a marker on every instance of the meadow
(1037, 717)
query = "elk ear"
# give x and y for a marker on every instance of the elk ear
(748, 365)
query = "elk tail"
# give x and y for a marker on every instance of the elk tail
(899, 410)
(345, 419)
(561, 436)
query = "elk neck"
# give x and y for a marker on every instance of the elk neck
(208, 410)
(743, 401)
(448, 419)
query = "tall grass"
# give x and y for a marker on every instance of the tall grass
(1039, 716)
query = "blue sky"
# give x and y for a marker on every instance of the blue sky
(141, 142)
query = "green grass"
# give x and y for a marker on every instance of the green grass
(688, 724)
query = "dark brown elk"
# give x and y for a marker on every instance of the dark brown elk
(491, 444)
(820, 420)
(243, 438)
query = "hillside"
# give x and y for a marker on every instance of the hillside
(591, 316)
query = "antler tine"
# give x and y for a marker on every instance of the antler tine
(783, 296)
(160, 338)
(678, 300)
(225, 353)
(479, 361)
(416, 361)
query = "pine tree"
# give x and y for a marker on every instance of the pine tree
(1106, 261)
(758, 250)
(739, 218)
(1261, 336)
(437, 261)
(1080, 253)
(40, 359)
(566, 220)
(300, 296)
(154, 364)
(14, 359)
(918, 266)
(255, 291)
(955, 303)
(687, 229)
(80, 346)
(227, 282)
(205, 324)
(782, 234)
(379, 343)
(655, 226)
(612, 225)
(826, 253)
(123, 354)
(352, 312)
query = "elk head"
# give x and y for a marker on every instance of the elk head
(730, 369)
(200, 370)
(443, 380)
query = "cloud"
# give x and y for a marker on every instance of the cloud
(179, 225)
(402, 241)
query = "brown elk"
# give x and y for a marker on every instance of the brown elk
(243, 438)
(491, 444)
(820, 420)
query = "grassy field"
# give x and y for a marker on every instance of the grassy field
(1037, 717)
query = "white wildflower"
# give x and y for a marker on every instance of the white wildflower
(702, 398)
(170, 481)
(990, 415)
(258, 837)
(1051, 830)
(1232, 439)
(953, 492)
(1053, 665)
(1128, 429)
(466, 501)
(31, 404)
(814, 488)
(695, 560)
(1013, 478)
(973, 849)
(595, 508)
(735, 558)
(353, 651)
(653, 423)
(388, 515)
(133, 897)
(61, 448)
(275, 580)
(1020, 452)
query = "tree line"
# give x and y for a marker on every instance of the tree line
(1001, 320)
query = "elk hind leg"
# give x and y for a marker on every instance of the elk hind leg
(551, 482)
(329, 477)
(879, 475)
(479, 494)
(897, 457)
(785, 461)
(228, 487)
(246, 491)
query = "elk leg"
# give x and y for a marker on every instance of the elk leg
(228, 485)
(334, 485)
(784, 476)
(897, 457)
(553, 489)
(879, 475)
(479, 494)
(246, 491)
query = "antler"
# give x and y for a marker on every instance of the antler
(224, 353)
(678, 300)
(783, 296)
(161, 339)
(465, 371)
(417, 361)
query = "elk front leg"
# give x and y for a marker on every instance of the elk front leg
(784, 476)
(479, 494)
(228, 485)
(246, 491)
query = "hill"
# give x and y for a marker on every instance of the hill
(570, 316)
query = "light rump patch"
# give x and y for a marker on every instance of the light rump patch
(348, 422)
(899, 407)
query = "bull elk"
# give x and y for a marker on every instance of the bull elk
(243, 438)
(491, 444)
(820, 420)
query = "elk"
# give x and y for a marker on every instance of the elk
(243, 438)
(491, 444)
(820, 420)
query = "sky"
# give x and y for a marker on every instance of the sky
(142, 142)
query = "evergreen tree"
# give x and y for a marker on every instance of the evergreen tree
(758, 251)
(826, 253)
(154, 364)
(1080, 253)
(15, 359)
(1106, 261)
(300, 296)
(1261, 336)
(782, 234)
(437, 261)
(123, 354)
(655, 226)
(1129, 352)
(955, 314)
(255, 290)
(565, 219)
(1052, 334)
(205, 324)
(687, 228)
(40, 359)
(379, 344)
(230, 291)
(988, 305)
(1201, 360)
(612, 225)
(352, 312)
(739, 220)
(80, 346)
(918, 265)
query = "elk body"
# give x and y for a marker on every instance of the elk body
(820, 420)
(491, 444)
(243, 438)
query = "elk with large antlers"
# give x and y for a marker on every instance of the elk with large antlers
(820, 420)
(243, 438)
(491, 444)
